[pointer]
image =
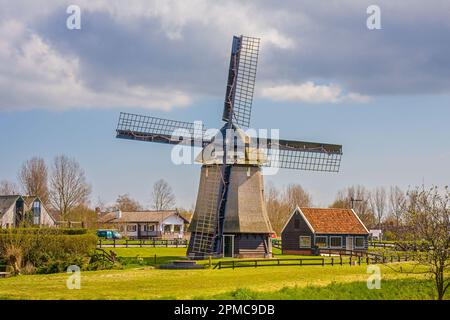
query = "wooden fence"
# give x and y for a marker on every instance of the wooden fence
(378, 244)
(142, 243)
(351, 258)
(289, 262)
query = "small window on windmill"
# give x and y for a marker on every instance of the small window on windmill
(296, 223)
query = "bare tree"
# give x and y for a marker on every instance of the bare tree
(8, 188)
(295, 196)
(279, 204)
(162, 196)
(428, 215)
(68, 186)
(125, 203)
(397, 203)
(378, 204)
(361, 203)
(277, 209)
(34, 178)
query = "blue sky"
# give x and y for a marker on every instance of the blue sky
(323, 76)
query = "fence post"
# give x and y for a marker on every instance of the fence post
(114, 242)
(350, 260)
(367, 260)
(332, 261)
(126, 243)
(323, 262)
(140, 243)
(232, 263)
(340, 258)
(100, 242)
(359, 260)
(256, 263)
(167, 243)
(220, 264)
(155, 258)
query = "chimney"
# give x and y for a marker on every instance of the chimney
(118, 214)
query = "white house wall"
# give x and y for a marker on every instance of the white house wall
(46, 219)
(174, 220)
(8, 217)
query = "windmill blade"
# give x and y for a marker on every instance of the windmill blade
(241, 80)
(302, 155)
(145, 128)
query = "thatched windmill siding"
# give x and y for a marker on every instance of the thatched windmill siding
(246, 226)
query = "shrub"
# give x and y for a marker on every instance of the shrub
(46, 251)
(45, 230)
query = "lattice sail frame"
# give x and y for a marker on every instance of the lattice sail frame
(145, 128)
(241, 80)
(304, 160)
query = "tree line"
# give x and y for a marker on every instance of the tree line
(64, 189)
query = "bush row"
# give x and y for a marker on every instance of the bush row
(45, 231)
(28, 252)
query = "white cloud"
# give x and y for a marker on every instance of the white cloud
(311, 93)
(224, 17)
(34, 75)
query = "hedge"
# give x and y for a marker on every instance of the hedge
(47, 252)
(45, 231)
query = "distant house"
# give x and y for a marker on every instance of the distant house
(310, 228)
(17, 209)
(375, 234)
(168, 224)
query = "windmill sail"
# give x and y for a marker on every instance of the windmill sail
(241, 80)
(144, 128)
(301, 155)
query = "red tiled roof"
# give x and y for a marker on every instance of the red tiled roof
(335, 221)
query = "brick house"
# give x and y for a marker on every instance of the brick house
(330, 228)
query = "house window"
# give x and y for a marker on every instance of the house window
(305, 241)
(321, 242)
(296, 224)
(167, 228)
(177, 228)
(336, 242)
(359, 242)
(131, 228)
(151, 228)
(36, 212)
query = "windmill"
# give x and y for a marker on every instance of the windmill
(230, 217)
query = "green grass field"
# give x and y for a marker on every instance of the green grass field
(286, 282)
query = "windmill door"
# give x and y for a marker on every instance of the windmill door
(349, 243)
(228, 246)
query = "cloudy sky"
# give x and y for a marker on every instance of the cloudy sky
(322, 76)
